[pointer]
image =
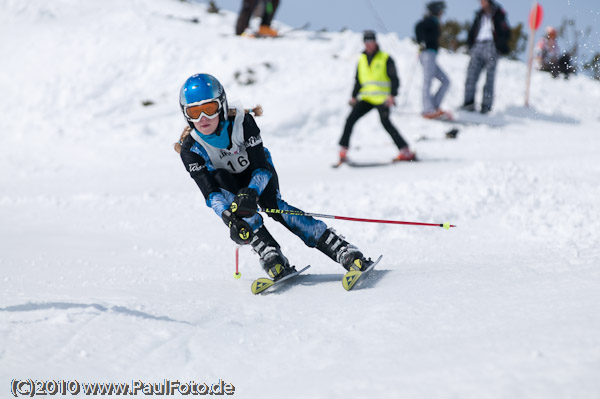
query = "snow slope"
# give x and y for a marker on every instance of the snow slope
(112, 269)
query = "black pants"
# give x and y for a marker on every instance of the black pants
(359, 110)
(248, 7)
(563, 65)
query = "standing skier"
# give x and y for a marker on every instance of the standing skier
(428, 36)
(488, 37)
(223, 152)
(248, 7)
(375, 86)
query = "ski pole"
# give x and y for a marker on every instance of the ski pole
(445, 225)
(237, 261)
(410, 80)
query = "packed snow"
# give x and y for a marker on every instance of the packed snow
(112, 268)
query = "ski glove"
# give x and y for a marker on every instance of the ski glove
(244, 203)
(239, 231)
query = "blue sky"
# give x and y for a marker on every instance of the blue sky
(400, 16)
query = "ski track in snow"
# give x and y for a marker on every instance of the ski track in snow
(112, 268)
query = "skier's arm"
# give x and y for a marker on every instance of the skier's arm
(356, 87)
(473, 30)
(395, 81)
(199, 166)
(259, 165)
(501, 31)
(431, 34)
(244, 204)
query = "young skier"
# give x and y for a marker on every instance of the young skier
(223, 152)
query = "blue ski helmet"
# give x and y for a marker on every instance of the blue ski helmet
(203, 88)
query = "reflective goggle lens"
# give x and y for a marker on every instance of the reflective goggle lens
(210, 109)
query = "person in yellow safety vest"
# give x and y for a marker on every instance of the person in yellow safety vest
(376, 85)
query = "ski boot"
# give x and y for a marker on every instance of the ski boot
(486, 109)
(343, 157)
(271, 259)
(437, 114)
(343, 154)
(342, 252)
(468, 106)
(267, 31)
(405, 155)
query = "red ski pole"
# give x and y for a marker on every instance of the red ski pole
(445, 225)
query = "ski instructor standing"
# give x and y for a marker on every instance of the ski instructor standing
(223, 152)
(375, 86)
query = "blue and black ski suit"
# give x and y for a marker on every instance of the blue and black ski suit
(222, 163)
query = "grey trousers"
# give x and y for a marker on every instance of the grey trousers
(431, 70)
(483, 55)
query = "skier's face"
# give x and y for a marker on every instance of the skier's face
(206, 126)
(485, 4)
(370, 46)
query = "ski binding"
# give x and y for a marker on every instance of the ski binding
(263, 283)
(353, 276)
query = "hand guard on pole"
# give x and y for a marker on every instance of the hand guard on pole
(239, 231)
(245, 203)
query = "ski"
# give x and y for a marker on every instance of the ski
(472, 118)
(282, 34)
(359, 164)
(297, 28)
(449, 118)
(369, 164)
(338, 164)
(460, 122)
(194, 20)
(354, 276)
(263, 283)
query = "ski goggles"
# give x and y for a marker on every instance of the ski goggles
(209, 108)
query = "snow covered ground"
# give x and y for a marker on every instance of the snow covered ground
(112, 269)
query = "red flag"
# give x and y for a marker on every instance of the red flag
(535, 16)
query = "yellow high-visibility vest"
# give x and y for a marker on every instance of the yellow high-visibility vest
(375, 83)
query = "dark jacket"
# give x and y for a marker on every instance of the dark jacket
(428, 32)
(391, 71)
(204, 174)
(500, 27)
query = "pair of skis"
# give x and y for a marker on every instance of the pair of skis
(349, 280)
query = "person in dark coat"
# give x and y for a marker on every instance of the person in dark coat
(488, 38)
